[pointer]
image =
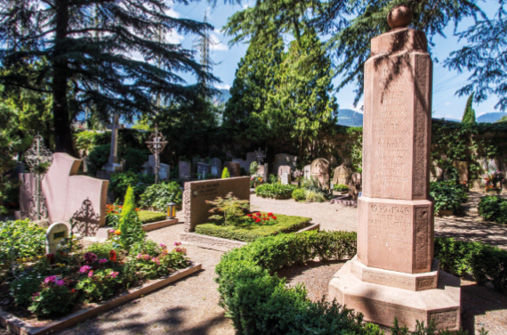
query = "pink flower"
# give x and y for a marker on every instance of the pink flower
(163, 246)
(49, 279)
(103, 260)
(90, 257)
(114, 274)
(110, 231)
(177, 243)
(139, 256)
(90, 274)
(155, 260)
(146, 257)
(84, 268)
(60, 282)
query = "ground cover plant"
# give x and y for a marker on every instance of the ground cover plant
(158, 196)
(493, 208)
(260, 225)
(231, 218)
(259, 302)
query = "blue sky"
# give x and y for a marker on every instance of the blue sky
(445, 103)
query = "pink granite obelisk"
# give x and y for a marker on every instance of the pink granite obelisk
(394, 274)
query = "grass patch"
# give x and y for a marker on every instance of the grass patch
(150, 216)
(286, 224)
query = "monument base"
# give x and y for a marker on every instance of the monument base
(382, 304)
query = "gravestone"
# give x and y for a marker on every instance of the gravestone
(284, 174)
(149, 167)
(65, 191)
(234, 169)
(184, 170)
(393, 276)
(195, 194)
(307, 171)
(320, 171)
(203, 170)
(341, 175)
(262, 171)
(284, 159)
(57, 232)
(243, 164)
(216, 167)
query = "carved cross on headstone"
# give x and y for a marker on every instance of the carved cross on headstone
(85, 221)
(38, 158)
(260, 155)
(156, 145)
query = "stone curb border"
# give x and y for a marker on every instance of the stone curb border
(17, 326)
(223, 244)
(159, 224)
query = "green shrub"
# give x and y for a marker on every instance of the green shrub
(135, 159)
(248, 233)
(493, 208)
(253, 167)
(315, 196)
(225, 173)
(340, 188)
(276, 191)
(157, 196)
(260, 303)
(121, 180)
(229, 210)
(447, 195)
(150, 216)
(299, 194)
(20, 239)
(101, 249)
(24, 286)
(482, 261)
(130, 226)
(97, 158)
(53, 299)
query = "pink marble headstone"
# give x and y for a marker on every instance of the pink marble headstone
(65, 191)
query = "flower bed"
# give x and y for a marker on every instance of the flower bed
(260, 225)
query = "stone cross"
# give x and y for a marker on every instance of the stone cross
(37, 158)
(156, 144)
(394, 275)
(260, 155)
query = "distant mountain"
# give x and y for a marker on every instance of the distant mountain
(222, 96)
(490, 117)
(350, 118)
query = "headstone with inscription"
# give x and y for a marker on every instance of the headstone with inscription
(320, 172)
(234, 168)
(262, 171)
(342, 175)
(215, 167)
(203, 170)
(394, 275)
(184, 170)
(307, 171)
(284, 159)
(195, 194)
(284, 174)
(55, 234)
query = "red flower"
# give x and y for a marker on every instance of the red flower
(112, 256)
(270, 214)
(257, 220)
(274, 217)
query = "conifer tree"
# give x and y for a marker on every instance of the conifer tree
(469, 114)
(103, 54)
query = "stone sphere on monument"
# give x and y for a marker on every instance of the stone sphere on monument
(399, 17)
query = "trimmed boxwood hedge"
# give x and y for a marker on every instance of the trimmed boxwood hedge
(150, 216)
(259, 302)
(286, 224)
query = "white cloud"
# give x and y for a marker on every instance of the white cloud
(173, 37)
(215, 43)
(223, 86)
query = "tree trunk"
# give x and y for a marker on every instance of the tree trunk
(63, 135)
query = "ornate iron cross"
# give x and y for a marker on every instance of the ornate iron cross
(38, 158)
(260, 155)
(156, 145)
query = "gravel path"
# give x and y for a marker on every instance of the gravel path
(190, 306)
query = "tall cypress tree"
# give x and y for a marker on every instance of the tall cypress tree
(101, 54)
(469, 114)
